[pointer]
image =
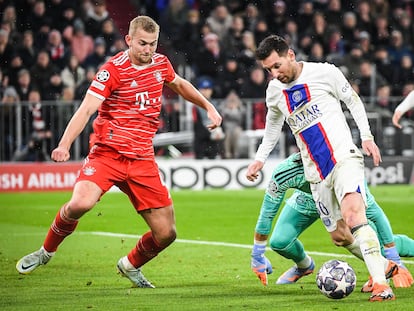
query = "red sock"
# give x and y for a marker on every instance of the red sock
(60, 229)
(146, 249)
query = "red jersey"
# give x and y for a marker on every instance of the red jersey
(128, 117)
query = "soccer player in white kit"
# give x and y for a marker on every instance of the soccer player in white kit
(308, 97)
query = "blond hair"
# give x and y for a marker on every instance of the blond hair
(145, 23)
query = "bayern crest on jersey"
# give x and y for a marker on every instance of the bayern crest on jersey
(103, 75)
(158, 76)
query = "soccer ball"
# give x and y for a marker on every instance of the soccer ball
(336, 279)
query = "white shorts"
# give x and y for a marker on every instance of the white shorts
(346, 177)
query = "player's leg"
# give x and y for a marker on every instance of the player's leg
(348, 183)
(148, 193)
(295, 218)
(84, 197)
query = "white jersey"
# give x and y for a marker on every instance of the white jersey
(406, 104)
(311, 106)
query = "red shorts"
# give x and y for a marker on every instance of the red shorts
(139, 179)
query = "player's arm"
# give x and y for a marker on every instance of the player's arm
(190, 93)
(403, 107)
(77, 123)
(353, 102)
(273, 130)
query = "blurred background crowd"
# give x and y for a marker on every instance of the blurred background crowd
(50, 51)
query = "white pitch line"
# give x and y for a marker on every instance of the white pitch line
(134, 236)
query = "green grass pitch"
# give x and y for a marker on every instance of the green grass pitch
(207, 268)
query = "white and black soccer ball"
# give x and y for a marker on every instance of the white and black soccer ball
(336, 279)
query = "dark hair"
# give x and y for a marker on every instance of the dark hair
(270, 44)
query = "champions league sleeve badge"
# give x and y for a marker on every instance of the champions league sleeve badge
(103, 75)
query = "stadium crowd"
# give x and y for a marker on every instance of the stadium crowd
(51, 49)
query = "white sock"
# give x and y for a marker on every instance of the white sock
(370, 249)
(304, 263)
(127, 264)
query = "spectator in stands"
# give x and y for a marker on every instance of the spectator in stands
(336, 47)
(67, 19)
(191, 36)
(333, 12)
(402, 74)
(16, 64)
(6, 49)
(352, 62)
(232, 41)
(24, 84)
(316, 53)
(27, 50)
(95, 16)
(348, 28)
(81, 89)
(205, 145)
(261, 31)
(172, 20)
(59, 53)
(37, 17)
(291, 34)
(81, 44)
(383, 98)
(406, 27)
(8, 23)
(42, 71)
(8, 102)
(98, 56)
(234, 114)
(251, 16)
(37, 144)
(246, 54)
(382, 31)
(277, 17)
(210, 60)
(231, 78)
(55, 9)
(383, 63)
(73, 74)
(256, 84)
(364, 18)
(305, 15)
(54, 88)
(368, 80)
(220, 21)
(110, 34)
(364, 39)
(397, 48)
(318, 30)
(118, 46)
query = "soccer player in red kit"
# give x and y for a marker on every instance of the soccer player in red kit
(127, 92)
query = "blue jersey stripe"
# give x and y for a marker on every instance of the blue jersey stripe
(297, 96)
(319, 149)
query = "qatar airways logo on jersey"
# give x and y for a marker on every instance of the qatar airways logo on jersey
(301, 118)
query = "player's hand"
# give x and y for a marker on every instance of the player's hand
(396, 119)
(261, 266)
(253, 170)
(60, 154)
(372, 150)
(215, 119)
(403, 278)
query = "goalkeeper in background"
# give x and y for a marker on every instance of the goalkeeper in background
(299, 213)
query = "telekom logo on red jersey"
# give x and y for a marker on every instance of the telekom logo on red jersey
(142, 99)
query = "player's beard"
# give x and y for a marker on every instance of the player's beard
(145, 59)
